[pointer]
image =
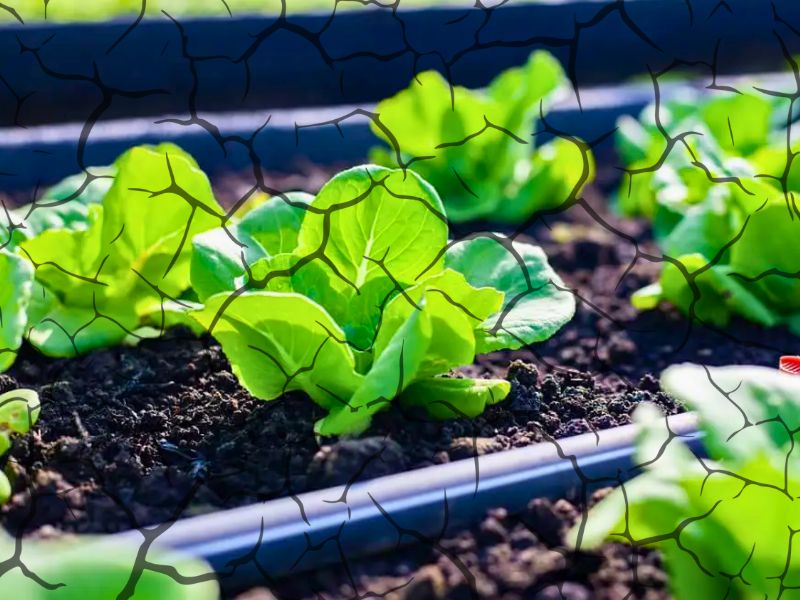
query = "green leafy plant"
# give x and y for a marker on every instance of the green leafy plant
(721, 199)
(476, 147)
(19, 411)
(356, 297)
(726, 526)
(97, 264)
(81, 568)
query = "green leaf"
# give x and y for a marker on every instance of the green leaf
(435, 338)
(558, 172)
(92, 567)
(96, 284)
(536, 302)
(19, 411)
(718, 293)
(732, 513)
(476, 147)
(17, 276)
(159, 201)
(743, 408)
(375, 229)
(446, 398)
(761, 259)
(221, 256)
(278, 342)
(477, 304)
(66, 204)
(5, 488)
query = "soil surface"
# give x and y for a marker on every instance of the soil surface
(132, 436)
(505, 556)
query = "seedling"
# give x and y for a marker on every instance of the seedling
(477, 147)
(721, 201)
(19, 410)
(357, 297)
(726, 526)
(94, 269)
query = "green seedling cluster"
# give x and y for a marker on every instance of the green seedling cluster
(727, 525)
(102, 260)
(19, 410)
(721, 199)
(477, 147)
(357, 297)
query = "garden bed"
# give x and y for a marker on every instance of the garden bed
(134, 436)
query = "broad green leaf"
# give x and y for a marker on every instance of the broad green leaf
(159, 201)
(96, 284)
(703, 229)
(536, 302)
(66, 204)
(222, 255)
(376, 229)
(743, 408)
(434, 339)
(16, 273)
(740, 122)
(278, 342)
(717, 294)
(556, 173)
(476, 147)
(449, 398)
(477, 304)
(82, 568)
(762, 260)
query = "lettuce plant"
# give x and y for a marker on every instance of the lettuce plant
(726, 525)
(93, 265)
(722, 204)
(476, 147)
(19, 411)
(88, 567)
(357, 297)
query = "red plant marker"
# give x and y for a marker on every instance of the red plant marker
(790, 364)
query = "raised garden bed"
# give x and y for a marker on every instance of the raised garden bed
(130, 437)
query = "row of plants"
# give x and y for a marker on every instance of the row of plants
(355, 296)
(345, 295)
(716, 177)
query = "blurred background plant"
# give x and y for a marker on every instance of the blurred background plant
(98, 10)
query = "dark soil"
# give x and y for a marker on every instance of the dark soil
(505, 556)
(129, 437)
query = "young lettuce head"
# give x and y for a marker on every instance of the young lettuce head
(727, 525)
(477, 147)
(108, 261)
(357, 297)
(722, 204)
